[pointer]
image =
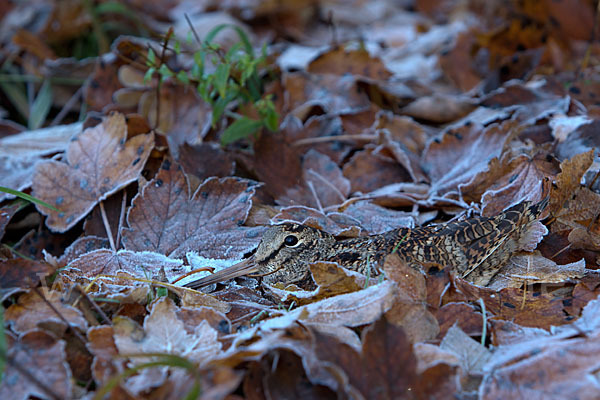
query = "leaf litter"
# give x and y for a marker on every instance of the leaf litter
(391, 116)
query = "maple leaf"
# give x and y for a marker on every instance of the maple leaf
(167, 218)
(99, 162)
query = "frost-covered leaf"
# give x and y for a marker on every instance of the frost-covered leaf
(99, 162)
(168, 218)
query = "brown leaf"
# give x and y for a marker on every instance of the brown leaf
(550, 367)
(323, 184)
(471, 355)
(205, 160)
(511, 181)
(43, 356)
(106, 362)
(569, 179)
(352, 309)
(528, 308)
(22, 273)
(167, 218)
(439, 108)
(461, 153)
(6, 213)
(183, 117)
(30, 310)
(99, 162)
(372, 168)
(340, 61)
(143, 265)
(375, 219)
(410, 309)
(287, 381)
(331, 281)
(335, 94)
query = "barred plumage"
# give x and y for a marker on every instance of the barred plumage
(476, 248)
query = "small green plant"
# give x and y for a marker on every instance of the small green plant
(235, 80)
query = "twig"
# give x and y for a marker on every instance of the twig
(334, 138)
(60, 316)
(121, 218)
(68, 106)
(32, 378)
(83, 294)
(107, 227)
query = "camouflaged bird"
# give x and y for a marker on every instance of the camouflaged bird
(476, 248)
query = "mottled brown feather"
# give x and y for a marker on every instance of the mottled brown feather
(476, 248)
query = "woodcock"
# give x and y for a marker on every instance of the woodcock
(476, 248)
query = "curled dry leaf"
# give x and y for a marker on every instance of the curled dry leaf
(331, 280)
(167, 218)
(569, 179)
(44, 357)
(508, 183)
(99, 162)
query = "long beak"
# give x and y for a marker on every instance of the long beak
(242, 268)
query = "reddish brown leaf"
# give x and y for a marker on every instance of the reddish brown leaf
(99, 162)
(167, 218)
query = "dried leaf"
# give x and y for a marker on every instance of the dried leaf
(530, 269)
(43, 356)
(164, 332)
(99, 162)
(31, 310)
(167, 218)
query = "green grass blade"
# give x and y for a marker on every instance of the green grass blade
(41, 106)
(27, 197)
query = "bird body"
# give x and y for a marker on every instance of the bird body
(476, 248)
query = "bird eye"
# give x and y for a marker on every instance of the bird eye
(290, 240)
